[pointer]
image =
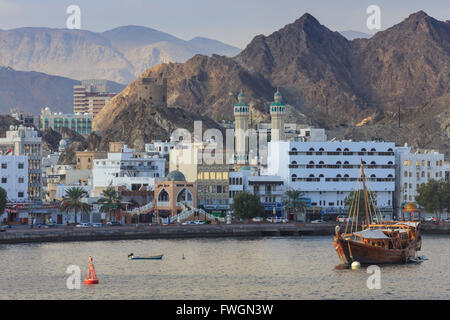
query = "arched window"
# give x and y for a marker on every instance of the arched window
(321, 176)
(311, 176)
(321, 149)
(338, 176)
(390, 176)
(345, 162)
(163, 196)
(293, 177)
(338, 162)
(390, 162)
(363, 162)
(373, 162)
(346, 150)
(363, 150)
(338, 150)
(373, 176)
(294, 162)
(373, 150)
(346, 175)
(311, 149)
(294, 150)
(321, 162)
(311, 162)
(390, 150)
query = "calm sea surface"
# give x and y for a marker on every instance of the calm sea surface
(264, 268)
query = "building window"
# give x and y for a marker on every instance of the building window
(4, 165)
(21, 179)
(20, 194)
(405, 163)
(4, 180)
(20, 165)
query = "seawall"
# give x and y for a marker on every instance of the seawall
(179, 232)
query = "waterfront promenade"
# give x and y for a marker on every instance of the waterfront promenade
(60, 233)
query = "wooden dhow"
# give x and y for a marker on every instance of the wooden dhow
(370, 240)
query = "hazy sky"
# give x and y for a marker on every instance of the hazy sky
(232, 21)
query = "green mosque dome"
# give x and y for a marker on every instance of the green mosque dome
(176, 176)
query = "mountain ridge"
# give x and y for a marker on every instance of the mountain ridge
(326, 79)
(111, 55)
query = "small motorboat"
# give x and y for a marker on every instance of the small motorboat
(132, 257)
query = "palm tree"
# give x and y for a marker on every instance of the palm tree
(72, 201)
(295, 201)
(111, 202)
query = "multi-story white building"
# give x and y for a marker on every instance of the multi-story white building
(14, 177)
(25, 141)
(298, 132)
(328, 171)
(414, 168)
(270, 189)
(161, 147)
(126, 169)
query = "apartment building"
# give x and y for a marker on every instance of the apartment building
(24, 141)
(415, 167)
(79, 122)
(328, 171)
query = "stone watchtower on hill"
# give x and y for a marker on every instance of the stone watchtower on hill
(153, 91)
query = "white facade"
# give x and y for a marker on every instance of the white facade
(327, 171)
(416, 167)
(14, 177)
(270, 189)
(162, 148)
(24, 141)
(126, 169)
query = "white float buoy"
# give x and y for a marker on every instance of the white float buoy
(356, 265)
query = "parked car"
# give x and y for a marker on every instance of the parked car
(257, 219)
(447, 220)
(199, 222)
(318, 221)
(341, 219)
(83, 225)
(277, 220)
(97, 225)
(113, 223)
(430, 219)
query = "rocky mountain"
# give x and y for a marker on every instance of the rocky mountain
(120, 54)
(31, 91)
(326, 79)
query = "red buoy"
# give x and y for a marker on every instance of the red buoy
(91, 278)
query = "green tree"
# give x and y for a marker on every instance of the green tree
(3, 200)
(352, 200)
(247, 205)
(434, 196)
(72, 201)
(111, 202)
(294, 201)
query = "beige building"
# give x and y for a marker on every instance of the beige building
(172, 193)
(91, 96)
(85, 159)
(212, 188)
